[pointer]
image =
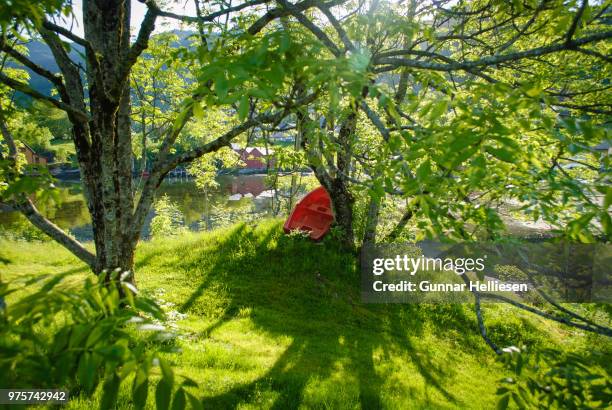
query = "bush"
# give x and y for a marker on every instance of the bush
(551, 379)
(86, 339)
(168, 219)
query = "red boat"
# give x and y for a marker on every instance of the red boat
(312, 214)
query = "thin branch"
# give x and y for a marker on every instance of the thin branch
(566, 321)
(406, 217)
(375, 119)
(338, 27)
(522, 31)
(55, 79)
(282, 11)
(589, 166)
(66, 33)
(592, 108)
(575, 22)
(320, 34)
(26, 89)
(492, 60)
(90, 53)
(594, 53)
(207, 18)
(27, 208)
(72, 78)
(142, 40)
(220, 142)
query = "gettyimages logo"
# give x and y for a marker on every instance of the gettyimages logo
(413, 265)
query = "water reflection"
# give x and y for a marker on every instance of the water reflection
(236, 198)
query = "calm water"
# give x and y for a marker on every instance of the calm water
(236, 198)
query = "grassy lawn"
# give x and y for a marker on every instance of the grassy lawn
(67, 146)
(276, 322)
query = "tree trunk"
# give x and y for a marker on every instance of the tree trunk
(336, 180)
(343, 202)
(107, 174)
(371, 225)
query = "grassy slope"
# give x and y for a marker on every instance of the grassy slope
(276, 322)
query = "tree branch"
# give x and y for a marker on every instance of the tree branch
(26, 89)
(594, 53)
(406, 217)
(492, 60)
(575, 22)
(586, 108)
(209, 17)
(320, 34)
(66, 33)
(479, 317)
(55, 79)
(142, 40)
(282, 11)
(338, 27)
(600, 330)
(220, 142)
(28, 209)
(72, 79)
(62, 58)
(376, 121)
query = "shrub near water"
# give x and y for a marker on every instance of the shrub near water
(168, 219)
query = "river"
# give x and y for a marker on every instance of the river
(236, 198)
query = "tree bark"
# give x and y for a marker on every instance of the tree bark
(335, 182)
(371, 226)
(108, 173)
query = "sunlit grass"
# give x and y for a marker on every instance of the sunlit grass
(276, 322)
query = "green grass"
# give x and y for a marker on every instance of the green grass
(66, 146)
(276, 322)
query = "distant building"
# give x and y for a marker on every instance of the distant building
(31, 156)
(255, 157)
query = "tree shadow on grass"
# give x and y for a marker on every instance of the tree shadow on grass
(310, 293)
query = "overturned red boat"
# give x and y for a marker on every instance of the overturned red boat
(312, 214)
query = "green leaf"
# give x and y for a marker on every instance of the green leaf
(140, 389)
(198, 112)
(221, 86)
(501, 154)
(180, 118)
(95, 335)
(162, 394)
(178, 403)
(243, 107)
(502, 404)
(606, 223)
(109, 392)
(194, 401)
(608, 198)
(86, 371)
(534, 91)
(285, 42)
(438, 109)
(424, 171)
(167, 372)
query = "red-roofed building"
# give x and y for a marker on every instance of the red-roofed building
(255, 157)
